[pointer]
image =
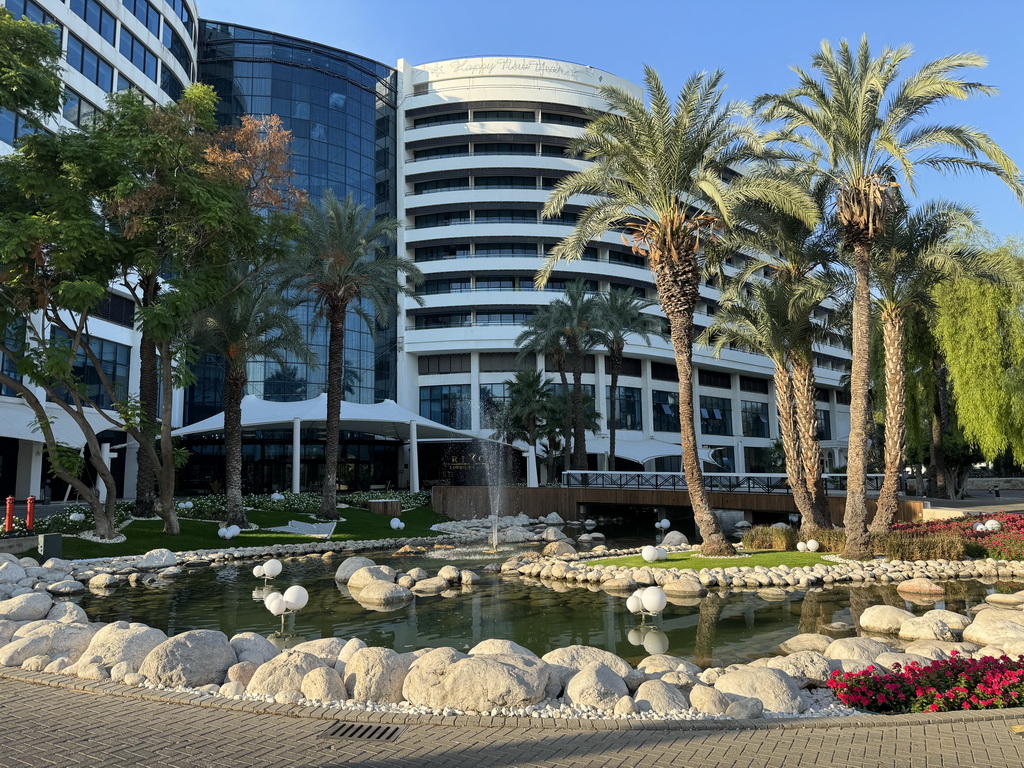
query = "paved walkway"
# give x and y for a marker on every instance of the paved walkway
(45, 727)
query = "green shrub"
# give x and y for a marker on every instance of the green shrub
(830, 540)
(930, 546)
(762, 537)
(409, 500)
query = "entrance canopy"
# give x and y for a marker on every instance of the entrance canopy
(18, 420)
(635, 446)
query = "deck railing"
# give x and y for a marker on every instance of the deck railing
(713, 481)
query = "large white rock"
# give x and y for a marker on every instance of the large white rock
(486, 647)
(554, 519)
(123, 642)
(684, 588)
(446, 678)
(926, 628)
(674, 539)
(708, 701)
(68, 612)
(596, 685)
(807, 668)
(376, 674)
(250, 646)
(921, 588)
(326, 648)
(553, 534)
(384, 593)
(284, 672)
(994, 626)
(194, 658)
(432, 586)
(369, 573)
(323, 684)
(808, 641)
(28, 607)
(449, 573)
(11, 573)
(556, 548)
(890, 660)
(66, 587)
(156, 558)
(955, 621)
(773, 688)
(862, 648)
(658, 696)
(884, 619)
(17, 652)
(349, 566)
(573, 658)
(104, 581)
(241, 672)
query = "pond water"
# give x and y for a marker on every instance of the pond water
(723, 628)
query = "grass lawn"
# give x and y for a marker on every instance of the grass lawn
(687, 560)
(144, 535)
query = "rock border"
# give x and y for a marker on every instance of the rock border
(198, 699)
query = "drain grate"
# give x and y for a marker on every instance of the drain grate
(363, 731)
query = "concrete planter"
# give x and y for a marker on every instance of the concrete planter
(18, 545)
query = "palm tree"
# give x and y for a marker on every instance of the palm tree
(347, 266)
(768, 318)
(542, 336)
(860, 127)
(620, 314)
(576, 315)
(919, 250)
(660, 174)
(252, 322)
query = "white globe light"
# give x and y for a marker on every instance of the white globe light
(654, 600)
(268, 599)
(649, 553)
(981, 527)
(401, 526)
(656, 642)
(635, 637)
(272, 568)
(233, 530)
(665, 523)
(662, 553)
(278, 606)
(77, 516)
(396, 524)
(258, 571)
(993, 525)
(634, 605)
(188, 505)
(222, 532)
(275, 496)
(813, 545)
(296, 597)
(801, 546)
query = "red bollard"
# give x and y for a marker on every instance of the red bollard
(30, 513)
(9, 518)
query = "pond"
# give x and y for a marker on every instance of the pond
(723, 628)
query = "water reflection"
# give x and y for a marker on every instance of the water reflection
(722, 628)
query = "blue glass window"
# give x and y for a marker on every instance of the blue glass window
(144, 11)
(138, 54)
(84, 59)
(447, 404)
(97, 17)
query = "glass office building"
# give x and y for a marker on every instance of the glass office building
(340, 109)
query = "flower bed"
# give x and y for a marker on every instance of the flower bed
(1005, 544)
(956, 683)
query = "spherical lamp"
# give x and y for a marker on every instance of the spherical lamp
(296, 597)
(634, 604)
(801, 546)
(813, 545)
(654, 600)
(77, 517)
(635, 637)
(993, 525)
(980, 527)
(655, 642)
(662, 553)
(401, 525)
(258, 571)
(272, 598)
(396, 524)
(222, 532)
(665, 523)
(233, 530)
(275, 496)
(649, 553)
(272, 568)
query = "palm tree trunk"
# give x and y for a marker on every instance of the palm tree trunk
(335, 367)
(579, 423)
(805, 411)
(234, 389)
(855, 519)
(567, 441)
(895, 420)
(168, 468)
(791, 445)
(614, 366)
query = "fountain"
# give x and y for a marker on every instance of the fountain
(495, 474)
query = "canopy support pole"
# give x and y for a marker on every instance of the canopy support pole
(296, 452)
(414, 459)
(531, 467)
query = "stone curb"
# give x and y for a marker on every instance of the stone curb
(487, 721)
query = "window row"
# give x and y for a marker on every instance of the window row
(490, 148)
(485, 182)
(100, 72)
(493, 250)
(500, 115)
(469, 284)
(490, 216)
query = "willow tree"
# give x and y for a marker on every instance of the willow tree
(665, 176)
(853, 120)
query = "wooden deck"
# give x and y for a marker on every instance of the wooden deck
(468, 502)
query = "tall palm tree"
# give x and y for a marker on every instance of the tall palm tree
(919, 250)
(619, 315)
(660, 175)
(575, 312)
(542, 336)
(853, 121)
(769, 318)
(252, 322)
(347, 266)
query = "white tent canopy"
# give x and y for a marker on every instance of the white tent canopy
(387, 419)
(18, 420)
(635, 446)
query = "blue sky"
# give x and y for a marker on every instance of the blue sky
(754, 42)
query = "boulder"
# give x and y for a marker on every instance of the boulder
(921, 588)
(553, 534)
(660, 697)
(450, 573)
(596, 685)
(231, 690)
(684, 588)
(349, 566)
(11, 573)
(57, 666)
(745, 709)
(446, 678)
(1005, 601)
(571, 659)
(468, 578)
(662, 662)
(376, 674)
(66, 587)
(67, 612)
(553, 519)
(28, 607)
(890, 660)
(806, 642)
(93, 672)
(323, 684)
(504, 647)
(36, 663)
(417, 574)
(105, 581)
(369, 573)
(381, 592)
(925, 628)
(556, 548)
(863, 648)
(326, 648)
(955, 621)
(242, 672)
(284, 672)
(994, 626)
(17, 652)
(194, 658)
(884, 619)
(156, 558)
(938, 649)
(434, 586)
(774, 689)
(708, 701)
(121, 641)
(625, 705)
(249, 646)
(807, 668)
(674, 539)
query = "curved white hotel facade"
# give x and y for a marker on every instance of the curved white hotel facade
(481, 141)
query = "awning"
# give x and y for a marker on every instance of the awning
(18, 421)
(635, 446)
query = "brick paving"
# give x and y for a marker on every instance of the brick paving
(56, 727)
